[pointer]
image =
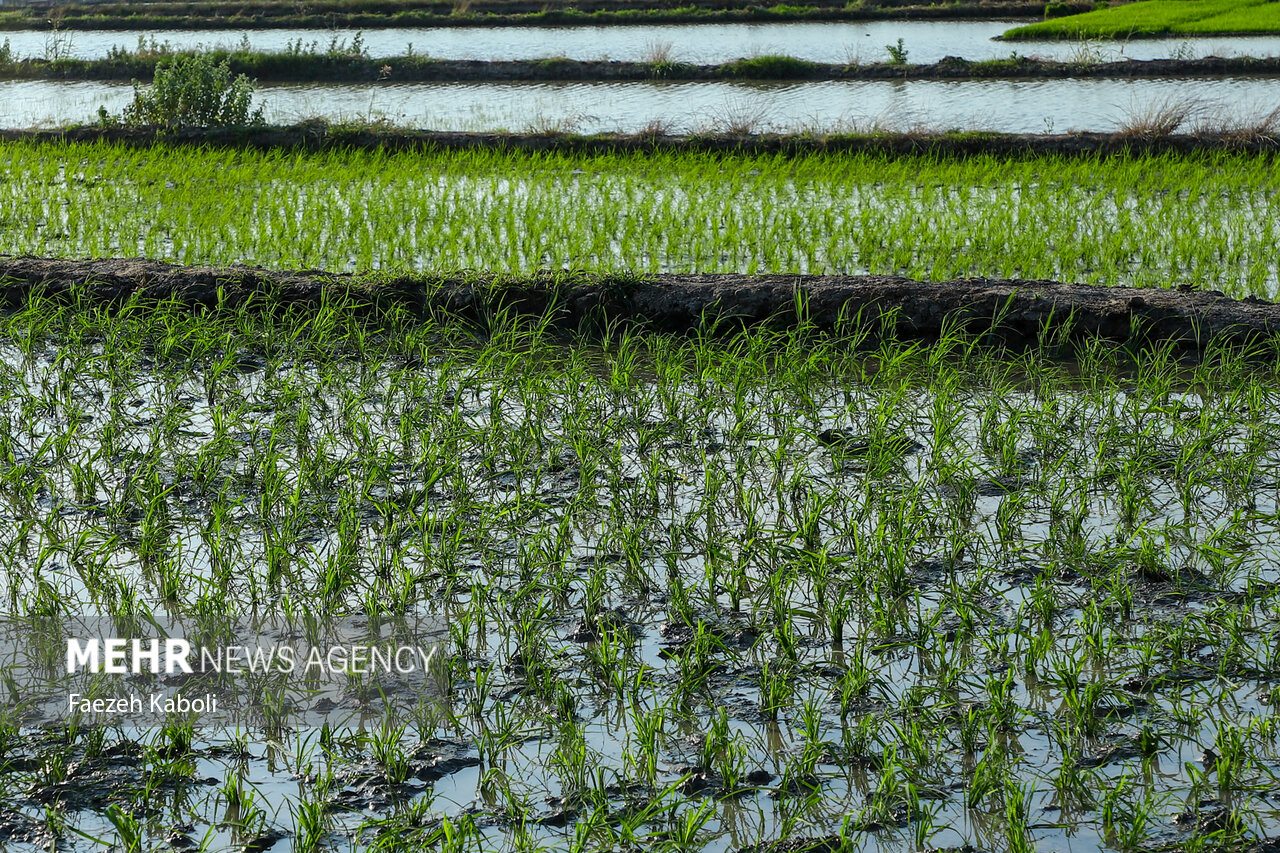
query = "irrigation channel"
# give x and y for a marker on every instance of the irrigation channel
(1022, 106)
(925, 42)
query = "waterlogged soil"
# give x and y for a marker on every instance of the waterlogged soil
(194, 788)
(1016, 311)
(764, 594)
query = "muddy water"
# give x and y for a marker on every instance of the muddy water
(1023, 106)
(925, 41)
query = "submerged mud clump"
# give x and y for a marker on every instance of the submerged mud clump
(1012, 311)
(827, 844)
(17, 828)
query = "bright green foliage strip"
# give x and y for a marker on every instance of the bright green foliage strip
(1160, 16)
(1245, 18)
(1211, 221)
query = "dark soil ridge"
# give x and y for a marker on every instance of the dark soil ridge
(321, 16)
(283, 67)
(320, 135)
(1017, 311)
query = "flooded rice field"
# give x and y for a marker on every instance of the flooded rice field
(1020, 106)
(1161, 221)
(753, 592)
(696, 593)
(925, 41)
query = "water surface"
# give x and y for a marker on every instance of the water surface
(1013, 106)
(925, 41)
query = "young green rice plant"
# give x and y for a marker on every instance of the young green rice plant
(1155, 16)
(726, 753)
(609, 659)
(56, 823)
(54, 766)
(1002, 708)
(242, 812)
(973, 202)
(1017, 806)
(1074, 786)
(386, 745)
(686, 831)
(516, 559)
(310, 817)
(1127, 812)
(1231, 756)
(128, 829)
(776, 688)
(986, 786)
(649, 737)
(571, 758)
(696, 661)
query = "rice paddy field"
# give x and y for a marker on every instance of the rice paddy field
(700, 592)
(1160, 17)
(717, 590)
(1208, 220)
(727, 588)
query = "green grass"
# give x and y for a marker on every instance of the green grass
(770, 67)
(1263, 18)
(1210, 220)
(1160, 17)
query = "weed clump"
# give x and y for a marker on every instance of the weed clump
(897, 53)
(194, 91)
(770, 67)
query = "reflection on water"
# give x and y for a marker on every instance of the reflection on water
(925, 41)
(1021, 106)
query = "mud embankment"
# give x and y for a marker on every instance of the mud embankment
(286, 68)
(491, 13)
(1015, 311)
(320, 135)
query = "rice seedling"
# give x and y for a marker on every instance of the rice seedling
(671, 612)
(127, 828)
(1140, 221)
(1157, 17)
